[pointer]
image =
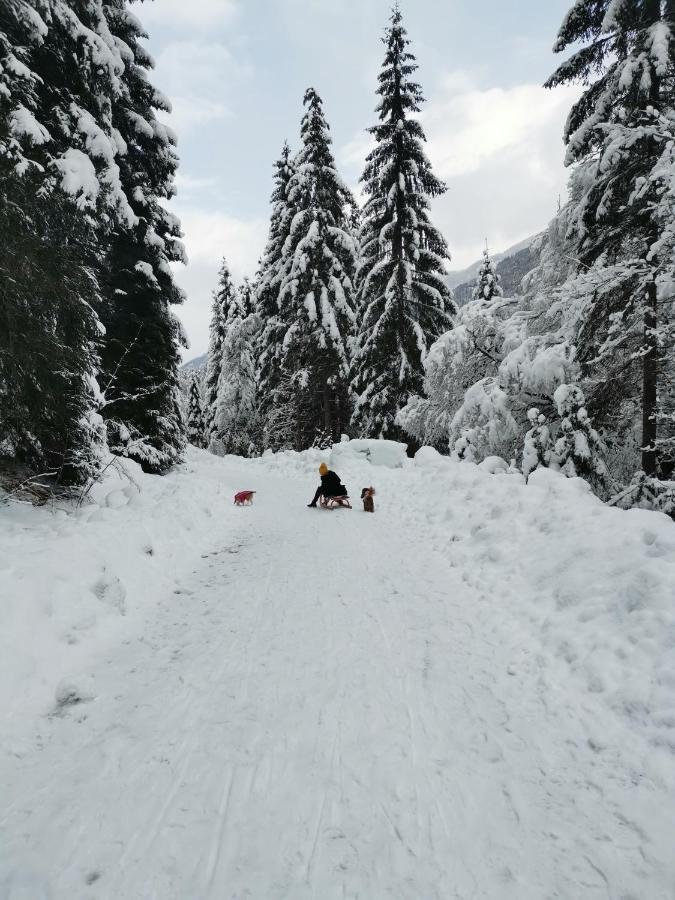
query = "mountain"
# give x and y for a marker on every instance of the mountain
(197, 363)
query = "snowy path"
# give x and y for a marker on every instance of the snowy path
(326, 711)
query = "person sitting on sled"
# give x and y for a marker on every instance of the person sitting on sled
(330, 486)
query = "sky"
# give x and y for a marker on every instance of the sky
(236, 72)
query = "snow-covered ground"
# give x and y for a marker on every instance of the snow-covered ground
(469, 694)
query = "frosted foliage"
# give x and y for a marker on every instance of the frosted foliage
(578, 450)
(235, 410)
(538, 445)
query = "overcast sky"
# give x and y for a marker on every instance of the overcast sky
(236, 72)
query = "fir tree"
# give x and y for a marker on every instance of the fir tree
(270, 339)
(59, 73)
(244, 301)
(538, 446)
(404, 302)
(141, 349)
(579, 450)
(223, 297)
(316, 292)
(487, 284)
(195, 412)
(621, 131)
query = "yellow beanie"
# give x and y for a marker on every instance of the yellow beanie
(323, 468)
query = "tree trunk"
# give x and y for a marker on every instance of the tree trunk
(649, 379)
(327, 412)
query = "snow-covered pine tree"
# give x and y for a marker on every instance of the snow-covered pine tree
(538, 445)
(246, 303)
(59, 73)
(404, 302)
(269, 349)
(487, 284)
(235, 419)
(316, 291)
(579, 450)
(621, 130)
(195, 412)
(223, 298)
(141, 349)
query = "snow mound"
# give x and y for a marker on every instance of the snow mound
(494, 465)
(428, 456)
(379, 453)
(76, 581)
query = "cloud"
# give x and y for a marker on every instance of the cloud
(468, 127)
(501, 153)
(188, 112)
(209, 236)
(198, 76)
(194, 15)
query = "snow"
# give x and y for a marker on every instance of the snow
(467, 694)
(379, 453)
(78, 177)
(23, 123)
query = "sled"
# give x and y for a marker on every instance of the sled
(335, 503)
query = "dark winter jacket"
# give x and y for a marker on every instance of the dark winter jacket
(331, 486)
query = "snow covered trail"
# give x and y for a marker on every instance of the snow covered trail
(326, 708)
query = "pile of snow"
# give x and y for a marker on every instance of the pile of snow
(592, 585)
(379, 453)
(589, 585)
(75, 582)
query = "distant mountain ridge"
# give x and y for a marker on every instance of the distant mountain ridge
(197, 363)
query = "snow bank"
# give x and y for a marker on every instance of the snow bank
(591, 586)
(379, 453)
(75, 582)
(594, 586)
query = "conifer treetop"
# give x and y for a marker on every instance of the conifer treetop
(405, 303)
(628, 51)
(487, 284)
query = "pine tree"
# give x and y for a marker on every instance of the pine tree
(223, 297)
(621, 131)
(579, 449)
(195, 413)
(538, 446)
(59, 73)
(487, 284)
(141, 348)
(245, 300)
(269, 348)
(316, 291)
(404, 302)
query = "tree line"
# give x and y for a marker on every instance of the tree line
(575, 371)
(346, 301)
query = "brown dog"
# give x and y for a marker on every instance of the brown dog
(367, 495)
(243, 498)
